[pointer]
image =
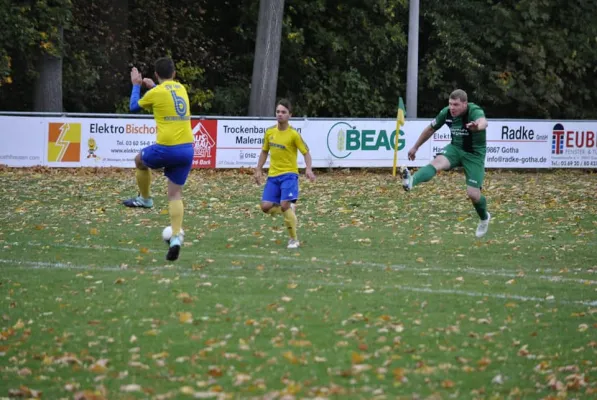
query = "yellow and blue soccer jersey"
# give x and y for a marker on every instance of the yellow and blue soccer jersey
(170, 105)
(282, 146)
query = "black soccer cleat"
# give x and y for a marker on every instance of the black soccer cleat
(173, 252)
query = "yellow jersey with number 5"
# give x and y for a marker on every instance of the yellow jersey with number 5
(283, 146)
(170, 105)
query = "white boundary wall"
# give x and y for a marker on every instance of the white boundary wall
(232, 143)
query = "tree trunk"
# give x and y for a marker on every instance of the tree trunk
(48, 88)
(267, 58)
(120, 56)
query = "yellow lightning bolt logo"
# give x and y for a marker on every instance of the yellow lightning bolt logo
(63, 144)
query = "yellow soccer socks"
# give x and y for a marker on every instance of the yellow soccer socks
(275, 210)
(290, 221)
(144, 182)
(176, 211)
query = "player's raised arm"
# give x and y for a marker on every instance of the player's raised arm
(137, 81)
(137, 103)
(148, 83)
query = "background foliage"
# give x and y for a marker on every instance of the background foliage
(518, 59)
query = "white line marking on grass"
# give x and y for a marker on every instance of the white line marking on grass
(88, 247)
(185, 272)
(57, 265)
(467, 270)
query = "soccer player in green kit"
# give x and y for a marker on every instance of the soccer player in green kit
(467, 125)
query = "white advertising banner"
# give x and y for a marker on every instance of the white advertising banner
(365, 143)
(21, 142)
(114, 142)
(233, 143)
(574, 144)
(510, 144)
(74, 142)
(239, 141)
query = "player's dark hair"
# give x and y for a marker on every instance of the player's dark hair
(164, 67)
(459, 94)
(285, 103)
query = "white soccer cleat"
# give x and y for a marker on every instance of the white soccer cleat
(407, 179)
(293, 244)
(483, 226)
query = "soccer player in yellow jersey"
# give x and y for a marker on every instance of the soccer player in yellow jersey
(173, 150)
(281, 190)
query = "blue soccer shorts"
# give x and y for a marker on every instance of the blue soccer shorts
(177, 161)
(280, 188)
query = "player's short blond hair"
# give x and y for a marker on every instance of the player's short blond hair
(459, 94)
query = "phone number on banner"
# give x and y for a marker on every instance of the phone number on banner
(134, 142)
(573, 163)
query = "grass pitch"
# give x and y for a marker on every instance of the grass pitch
(390, 295)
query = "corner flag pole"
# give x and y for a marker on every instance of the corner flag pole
(399, 122)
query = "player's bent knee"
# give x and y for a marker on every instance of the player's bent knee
(440, 163)
(474, 194)
(139, 162)
(265, 207)
(174, 191)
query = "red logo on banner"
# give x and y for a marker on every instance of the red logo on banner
(205, 133)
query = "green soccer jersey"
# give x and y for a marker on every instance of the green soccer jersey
(461, 137)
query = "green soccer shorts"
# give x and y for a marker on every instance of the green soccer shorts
(473, 164)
